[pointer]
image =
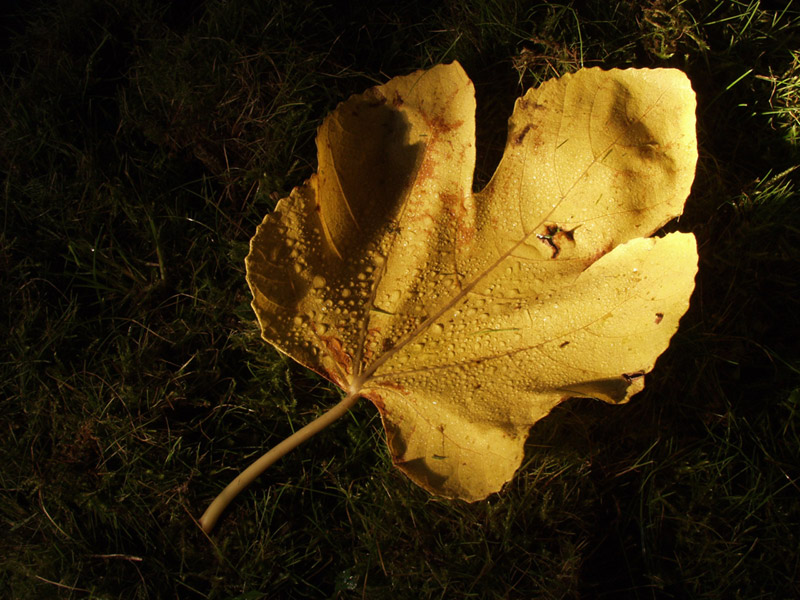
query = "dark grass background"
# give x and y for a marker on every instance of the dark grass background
(141, 143)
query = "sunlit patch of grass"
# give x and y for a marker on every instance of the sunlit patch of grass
(784, 101)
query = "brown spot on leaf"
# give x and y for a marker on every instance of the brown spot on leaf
(334, 346)
(550, 238)
(629, 377)
(448, 199)
(521, 135)
(426, 170)
(393, 385)
(555, 237)
(659, 316)
(439, 125)
(600, 253)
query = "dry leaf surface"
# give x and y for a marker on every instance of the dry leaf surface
(465, 317)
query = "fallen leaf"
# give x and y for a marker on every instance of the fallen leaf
(466, 317)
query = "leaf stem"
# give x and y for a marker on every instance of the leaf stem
(246, 477)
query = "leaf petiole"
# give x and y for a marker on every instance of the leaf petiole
(246, 477)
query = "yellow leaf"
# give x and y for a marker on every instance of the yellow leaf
(466, 317)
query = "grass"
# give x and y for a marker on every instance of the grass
(143, 142)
